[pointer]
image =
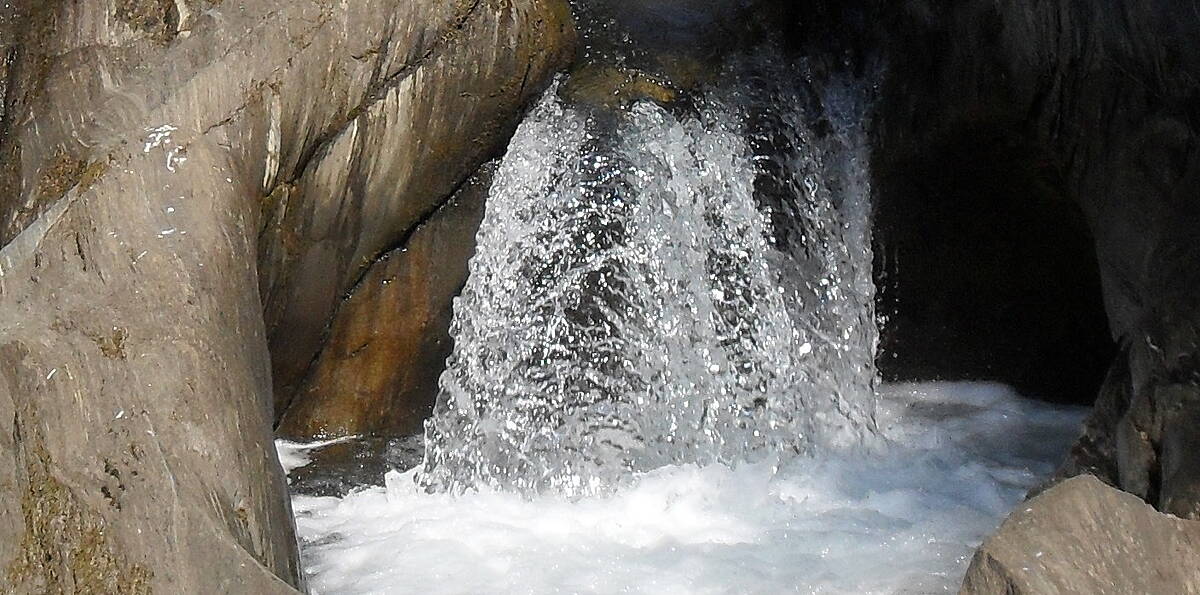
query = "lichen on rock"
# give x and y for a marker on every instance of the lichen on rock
(157, 18)
(65, 548)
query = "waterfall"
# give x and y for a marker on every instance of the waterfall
(663, 381)
(657, 286)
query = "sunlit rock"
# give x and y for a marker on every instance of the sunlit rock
(1083, 536)
(377, 372)
(167, 170)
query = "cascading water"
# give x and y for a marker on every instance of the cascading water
(660, 286)
(666, 306)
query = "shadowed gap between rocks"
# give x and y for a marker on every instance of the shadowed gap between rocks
(986, 268)
(399, 154)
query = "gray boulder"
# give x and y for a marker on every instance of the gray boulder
(1083, 536)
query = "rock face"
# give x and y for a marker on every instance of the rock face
(1052, 108)
(1083, 536)
(379, 369)
(134, 421)
(1001, 118)
(160, 162)
(437, 102)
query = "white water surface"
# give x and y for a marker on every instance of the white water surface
(955, 459)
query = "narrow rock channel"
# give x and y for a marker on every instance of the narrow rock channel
(659, 296)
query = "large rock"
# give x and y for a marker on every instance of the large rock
(378, 371)
(1083, 536)
(428, 117)
(134, 413)
(159, 163)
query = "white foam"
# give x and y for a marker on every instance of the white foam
(638, 298)
(904, 519)
(293, 455)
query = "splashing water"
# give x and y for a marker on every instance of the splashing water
(655, 290)
(655, 287)
(905, 520)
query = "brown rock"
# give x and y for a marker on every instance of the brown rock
(379, 368)
(427, 120)
(1083, 536)
(612, 86)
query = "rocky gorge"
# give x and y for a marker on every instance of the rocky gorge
(226, 221)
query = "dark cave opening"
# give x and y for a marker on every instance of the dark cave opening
(986, 269)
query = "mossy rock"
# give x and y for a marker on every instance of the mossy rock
(65, 172)
(65, 548)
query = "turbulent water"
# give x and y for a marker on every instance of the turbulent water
(663, 380)
(905, 520)
(656, 287)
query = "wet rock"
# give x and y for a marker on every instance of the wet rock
(159, 169)
(1179, 445)
(1136, 456)
(378, 371)
(1063, 138)
(339, 468)
(681, 46)
(1095, 451)
(612, 87)
(1083, 536)
(433, 104)
(670, 32)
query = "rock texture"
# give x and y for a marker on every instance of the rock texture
(160, 162)
(1085, 537)
(436, 102)
(135, 444)
(378, 371)
(1054, 107)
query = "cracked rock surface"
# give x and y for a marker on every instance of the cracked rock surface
(169, 172)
